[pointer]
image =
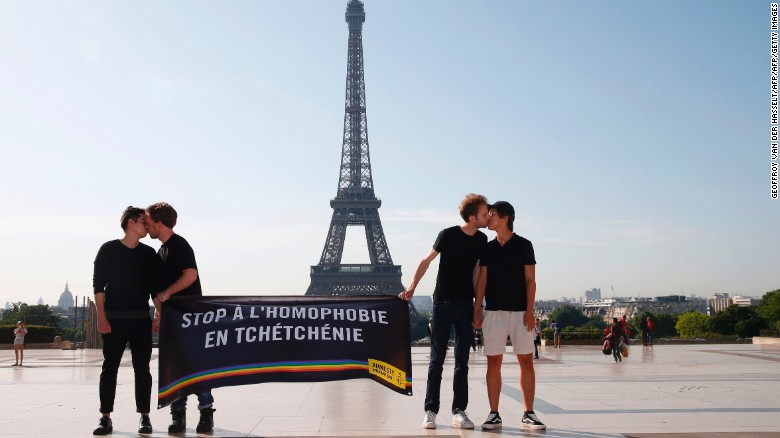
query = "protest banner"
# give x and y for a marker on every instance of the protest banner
(210, 342)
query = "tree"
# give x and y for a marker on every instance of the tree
(596, 321)
(38, 314)
(419, 325)
(11, 314)
(769, 307)
(727, 320)
(568, 316)
(664, 326)
(693, 324)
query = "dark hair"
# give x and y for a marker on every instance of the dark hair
(504, 210)
(130, 213)
(163, 212)
(469, 206)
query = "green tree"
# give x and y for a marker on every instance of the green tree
(595, 322)
(73, 333)
(38, 314)
(664, 325)
(11, 314)
(693, 324)
(769, 307)
(726, 321)
(568, 316)
(419, 325)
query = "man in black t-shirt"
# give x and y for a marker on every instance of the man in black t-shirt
(453, 303)
(180, 277)
(124, 279)
(507, 281)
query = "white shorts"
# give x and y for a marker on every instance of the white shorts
(498, 324)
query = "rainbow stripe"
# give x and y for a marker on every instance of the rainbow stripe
(263, 368)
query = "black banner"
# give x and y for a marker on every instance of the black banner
(209, 342)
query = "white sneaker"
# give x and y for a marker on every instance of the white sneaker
(461, 420)
(429, 422)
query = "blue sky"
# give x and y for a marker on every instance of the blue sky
(632, 138)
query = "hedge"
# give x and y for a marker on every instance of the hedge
(35, 334)
(575, 333)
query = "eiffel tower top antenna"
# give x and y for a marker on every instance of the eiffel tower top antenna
(355, 180)
(355, 202)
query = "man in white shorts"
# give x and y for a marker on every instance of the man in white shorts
(507, 283)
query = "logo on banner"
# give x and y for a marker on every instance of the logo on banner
(387, 372)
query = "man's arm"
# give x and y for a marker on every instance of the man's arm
(479, 295)
(530, 293)
(100, 304)
(418, 275)
(157, 313)
(188, 276)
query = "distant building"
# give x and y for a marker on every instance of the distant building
(742, 301)
(720, 301)
(40, 301)
(593, 294)
(66, 299)
(716, 304)
(423, 303)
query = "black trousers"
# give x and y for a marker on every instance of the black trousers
(138, 333)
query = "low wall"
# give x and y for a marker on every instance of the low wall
(765, 340)
(64, 345)
(661, 341)
(30, 346)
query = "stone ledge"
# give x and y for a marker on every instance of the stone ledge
(765, 340)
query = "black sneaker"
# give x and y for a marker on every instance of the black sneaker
(145, 425)
(531, 421)
(105, 427)
(493, 421)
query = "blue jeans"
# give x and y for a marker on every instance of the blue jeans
(616, 353)
(205, 400)
(445, 315)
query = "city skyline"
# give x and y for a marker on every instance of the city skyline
(632, 139)
(564, 299)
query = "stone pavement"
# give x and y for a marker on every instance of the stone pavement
(684, 390)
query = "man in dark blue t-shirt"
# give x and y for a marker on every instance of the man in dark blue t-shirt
(180, 277)
(507, 281)
(453, 303)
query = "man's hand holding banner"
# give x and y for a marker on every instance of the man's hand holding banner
(209, 342)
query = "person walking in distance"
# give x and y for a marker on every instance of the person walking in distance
(180, 277)
(537, 337)
(453, 303)
(556, 334)
(507, 282)
(19, 333)
(616, 337)
(649, 331)
(126, 276)
(626, 329)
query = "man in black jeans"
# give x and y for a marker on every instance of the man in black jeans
(180, 277)
(125, 277)
(453, 304)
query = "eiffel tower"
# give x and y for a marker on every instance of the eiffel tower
(355, 202)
